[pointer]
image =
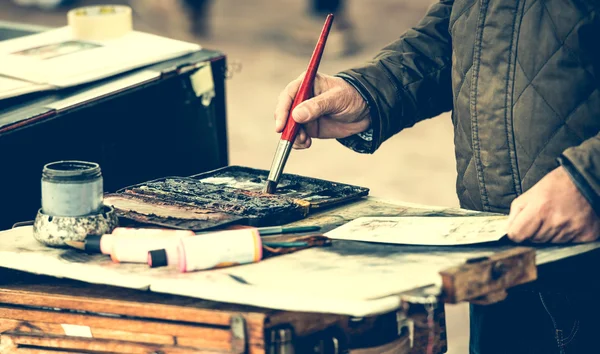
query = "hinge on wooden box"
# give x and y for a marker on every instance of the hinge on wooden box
(238, 335)
(281, 341)
(405, 326)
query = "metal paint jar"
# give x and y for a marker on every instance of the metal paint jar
(72, 188)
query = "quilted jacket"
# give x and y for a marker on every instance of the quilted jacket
(522, 79)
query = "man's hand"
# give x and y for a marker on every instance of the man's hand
(554, 211)
(337, 110)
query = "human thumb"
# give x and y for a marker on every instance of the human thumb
(314, 108)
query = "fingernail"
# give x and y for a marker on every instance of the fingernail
(300, 114)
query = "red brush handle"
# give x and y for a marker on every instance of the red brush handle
(306, 87)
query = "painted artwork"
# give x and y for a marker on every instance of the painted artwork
(432, 231)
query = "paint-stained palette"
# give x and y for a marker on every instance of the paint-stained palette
(231, 195)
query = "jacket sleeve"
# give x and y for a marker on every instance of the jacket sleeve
(582, 163)
(408, 81)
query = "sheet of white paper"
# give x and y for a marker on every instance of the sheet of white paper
(314, 280)
(56, 58)
(350, 278)
(106, 89)
(326, 280)
(11, 87)
(432, 231)
(8, 84)
(20, 251)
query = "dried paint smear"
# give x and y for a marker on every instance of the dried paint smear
(316, 191)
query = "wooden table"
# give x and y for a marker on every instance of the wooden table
(40, 314)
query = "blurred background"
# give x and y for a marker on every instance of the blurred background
(270, 43)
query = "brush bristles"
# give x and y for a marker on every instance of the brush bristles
(76, 244)
(270, 187)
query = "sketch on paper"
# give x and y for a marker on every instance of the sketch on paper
(432, 231)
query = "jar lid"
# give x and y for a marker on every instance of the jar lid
(71, 171)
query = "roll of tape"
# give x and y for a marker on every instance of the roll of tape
(97, 23)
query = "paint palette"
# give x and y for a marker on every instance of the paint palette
(319, 193)
(230, 195)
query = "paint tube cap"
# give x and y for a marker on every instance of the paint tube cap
(157, 258)
(92, 243)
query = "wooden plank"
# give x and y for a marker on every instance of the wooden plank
(124, 335)
(21, 288)
(306, 324)
(498, 272)
(118, 307)
(16, 350)
(491, 298)
(37, 351)
(74, 296)
(218, 335)
(99, 333)
(17, 339)
(9, 347)
(37, 290)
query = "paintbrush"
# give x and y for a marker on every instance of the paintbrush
(81, 245)
(272, 230)
(279, 230)
(91, 244)
(291, 127)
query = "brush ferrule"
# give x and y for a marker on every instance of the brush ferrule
(281, 155)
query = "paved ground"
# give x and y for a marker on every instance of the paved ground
(417, 165)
